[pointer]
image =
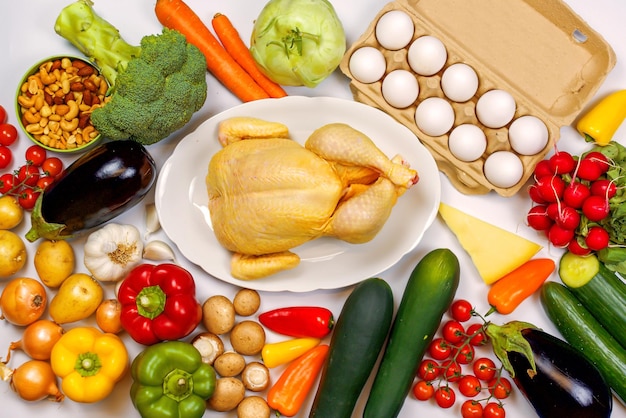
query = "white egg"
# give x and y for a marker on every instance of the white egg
(367, 64)
(495, 108)
(503, 169)
(528, 135)
(467, 142)
(394, 30)
(427, 55)
(459, 82)
(400, 88)
(434, 116)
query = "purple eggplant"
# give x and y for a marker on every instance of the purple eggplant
(555, 378)
(94, 189)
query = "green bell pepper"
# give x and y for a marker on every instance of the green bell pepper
(171, 381)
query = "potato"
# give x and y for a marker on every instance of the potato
(253, 407)
(229, 364)
(229, 392)
(12, 253)
(218, 314)
(11, 213)
(247, 338)
(247, 302)
(78, 298)
(54, 262)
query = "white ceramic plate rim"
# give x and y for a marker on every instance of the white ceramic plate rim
(326, 263)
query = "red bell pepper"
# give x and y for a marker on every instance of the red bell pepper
(299, 321)
(159, 303)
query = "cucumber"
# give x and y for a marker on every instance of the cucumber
(599, 289)
(579, 327)
(427, 296)
(357, 339)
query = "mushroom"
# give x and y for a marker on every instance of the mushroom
(209, 345)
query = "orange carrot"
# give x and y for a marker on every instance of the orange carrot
(234, 45)
(176, 14)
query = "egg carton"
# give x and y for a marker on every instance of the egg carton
(541, 52)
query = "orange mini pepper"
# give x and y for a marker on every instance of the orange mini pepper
(512, 289)
(292, 387)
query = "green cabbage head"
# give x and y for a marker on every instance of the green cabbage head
(298, 42)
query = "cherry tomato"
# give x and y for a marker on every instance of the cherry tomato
(464, 354)
(6, 156)
(461, 310)
(28, 175)
(500, 387)
(8, 134)
(452, 370)
(423, 390)
(44, 182)
(477, 334)
(439, 349)
(471, 409)
(445, 397)
(52, 166)
(27, 198)
(453, 332)
(469, 386)
(7, 181)
(493, 410)
(484, 368)
(35, 155)
(3, 114)
(428, 370)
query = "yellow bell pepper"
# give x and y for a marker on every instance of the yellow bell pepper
(275, 354)
(89, 363)
(602, 120)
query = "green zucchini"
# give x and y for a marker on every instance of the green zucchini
(580, 328)
(357, 339)
(427, 296)
(599, 289)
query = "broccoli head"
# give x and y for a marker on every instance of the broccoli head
(155, 87)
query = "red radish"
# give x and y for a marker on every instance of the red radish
(567, 217)
(560, 237)
(551, 188)
(575, 194)
(538, 218)
(592, 166)
(600, 159)
(552, 210)
(562, 163)
(574, 247)
(596, 208)
(543, 169)
(604, 188)
(597, 238)
(535, 196)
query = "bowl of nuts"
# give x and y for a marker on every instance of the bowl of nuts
(55, 99)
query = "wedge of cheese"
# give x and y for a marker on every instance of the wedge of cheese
(494, 251)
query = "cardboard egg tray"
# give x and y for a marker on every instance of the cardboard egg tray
(539, 51)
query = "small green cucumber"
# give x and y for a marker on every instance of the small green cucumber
(427, 296)
(581, 329)
(599, 289)
(355, 344)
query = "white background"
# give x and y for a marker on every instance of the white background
(27, 36)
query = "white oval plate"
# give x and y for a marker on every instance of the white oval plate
(326, 263)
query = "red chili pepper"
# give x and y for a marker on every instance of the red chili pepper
(159, 303)
(299, 321)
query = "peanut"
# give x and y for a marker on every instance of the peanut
(57, 100)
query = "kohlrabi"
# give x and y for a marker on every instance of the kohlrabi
(298, 42)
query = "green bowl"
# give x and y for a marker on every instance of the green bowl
(58, 131)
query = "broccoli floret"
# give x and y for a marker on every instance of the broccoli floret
(155, 87)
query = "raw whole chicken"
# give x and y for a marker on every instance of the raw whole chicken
(269, 194)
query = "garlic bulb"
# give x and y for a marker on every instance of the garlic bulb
(112, 251)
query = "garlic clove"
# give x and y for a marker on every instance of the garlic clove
(158, 251)
(152, 219)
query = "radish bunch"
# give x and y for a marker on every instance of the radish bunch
(572, 201)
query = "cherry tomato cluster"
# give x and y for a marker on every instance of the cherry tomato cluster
(451, 365)
(571, 197)
(8, 136)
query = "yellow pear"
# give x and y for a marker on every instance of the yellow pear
(78, 298)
